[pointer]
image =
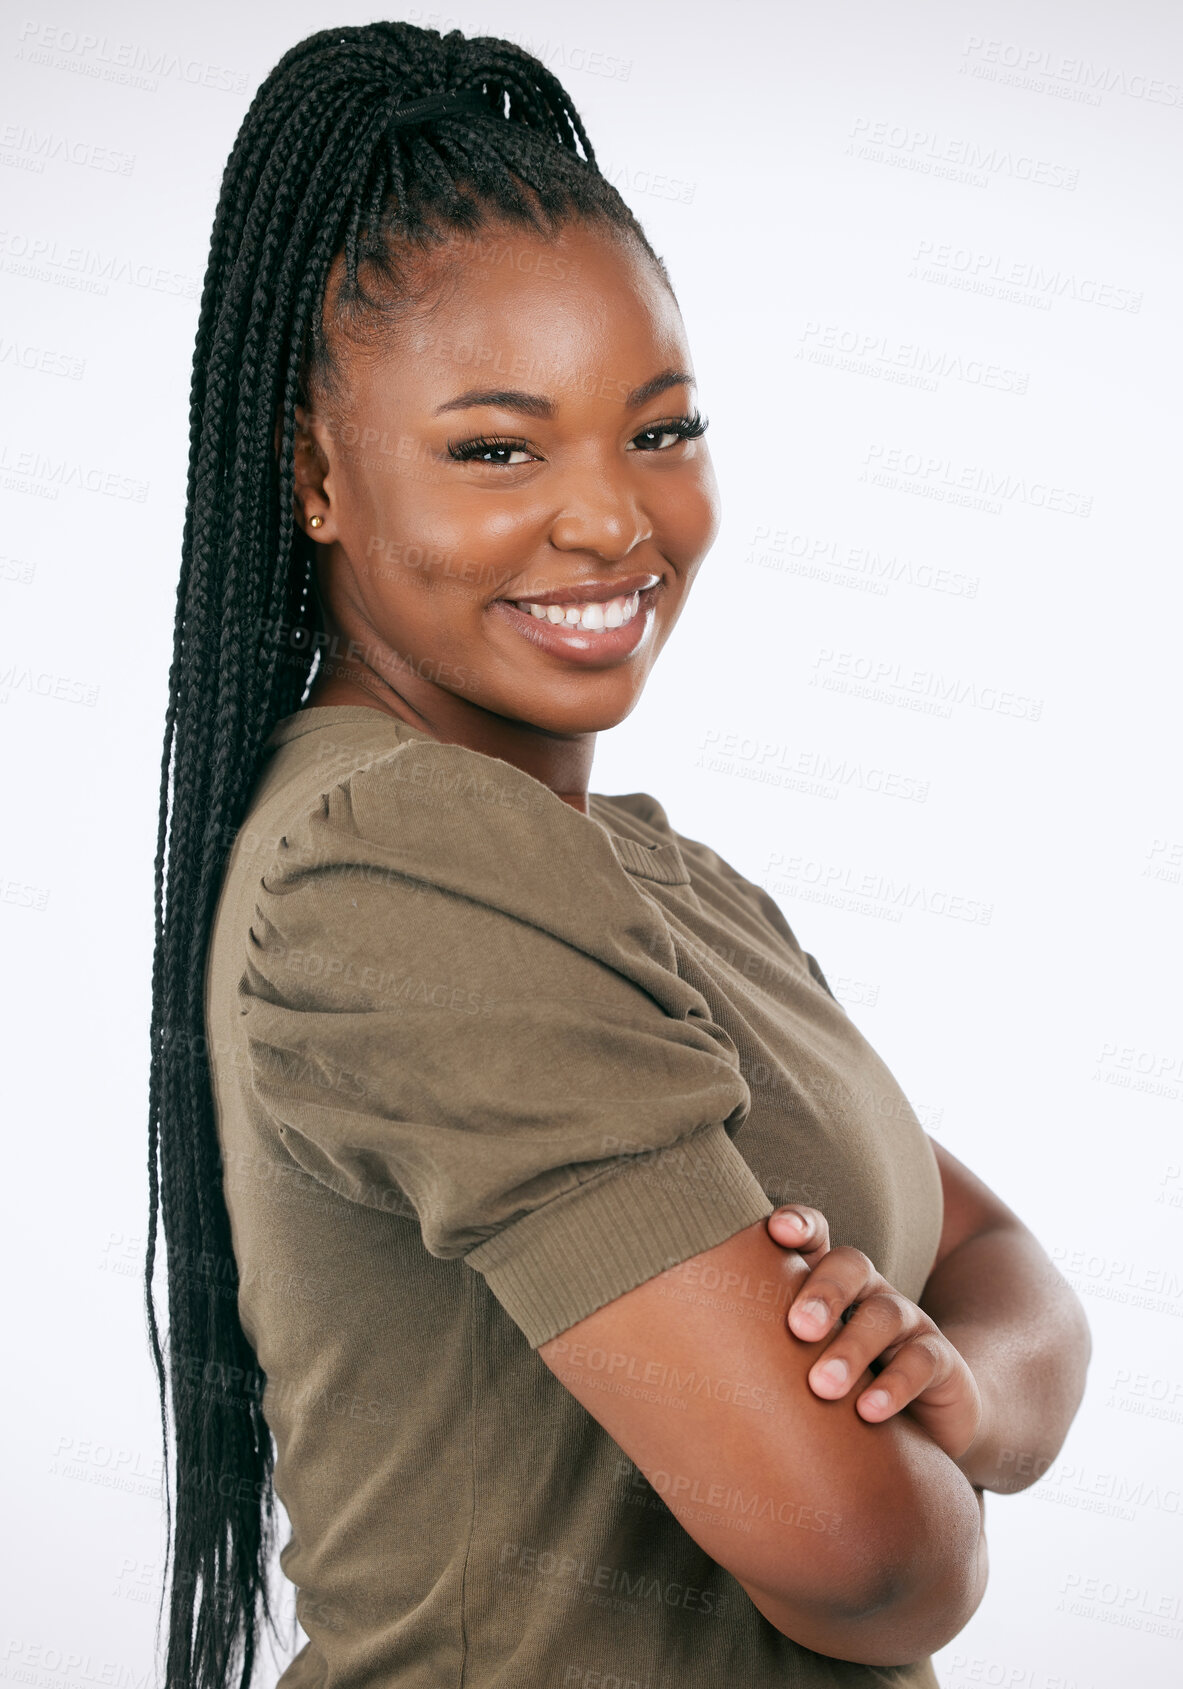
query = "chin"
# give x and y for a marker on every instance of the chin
(581, 717)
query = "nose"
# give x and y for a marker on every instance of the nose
(600, 516)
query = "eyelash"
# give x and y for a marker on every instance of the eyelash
(689, 427)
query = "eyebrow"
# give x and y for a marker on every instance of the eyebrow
(536, 404)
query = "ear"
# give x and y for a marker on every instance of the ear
(311, 495)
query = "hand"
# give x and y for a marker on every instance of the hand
(919, 1369)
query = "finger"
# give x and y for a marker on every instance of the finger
(883, 1320)
(799, 1228)
(917, 1367)
(843, 1276)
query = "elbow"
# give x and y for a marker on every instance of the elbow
(892, 1595)
(908, 1620)
(1066, 1364)
(925, 1584)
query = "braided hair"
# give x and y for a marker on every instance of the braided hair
(317, 170)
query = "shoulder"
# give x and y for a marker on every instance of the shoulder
(711, 873)
(642, 806)
(706, 865)
(646, 820)
(443, 813)
(426, 835)
(654, 826)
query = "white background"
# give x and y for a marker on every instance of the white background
(929, 259)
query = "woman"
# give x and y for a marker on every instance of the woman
(471, 1088)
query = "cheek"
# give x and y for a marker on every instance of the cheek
(365, 506)
(420, 589)
(687, 518)
(455, 543)
(429, 586)
(393, 576)
(495, 528)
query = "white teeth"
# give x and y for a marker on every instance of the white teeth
(594, 616)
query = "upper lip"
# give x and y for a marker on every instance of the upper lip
(587, 592)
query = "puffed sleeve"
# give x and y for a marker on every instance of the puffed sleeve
(456, 996)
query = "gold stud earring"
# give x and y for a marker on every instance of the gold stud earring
(316, 521)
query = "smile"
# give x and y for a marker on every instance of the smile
(613, 613)
(590, 631)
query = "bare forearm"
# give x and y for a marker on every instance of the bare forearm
(1023, 1333)
(862, 1539)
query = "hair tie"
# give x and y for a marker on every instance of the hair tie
(469, 100)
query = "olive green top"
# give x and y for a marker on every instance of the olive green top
(481, 1065)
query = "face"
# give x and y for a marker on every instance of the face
(514, 496)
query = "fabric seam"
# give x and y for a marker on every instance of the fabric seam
(470, 1293)
(616, 1169)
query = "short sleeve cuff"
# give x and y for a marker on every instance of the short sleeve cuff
(619, 1228)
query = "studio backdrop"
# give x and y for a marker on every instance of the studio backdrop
(925, 690)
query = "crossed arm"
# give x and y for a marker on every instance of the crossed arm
(894, 1564)
(1005, 1307)
(991, 1360)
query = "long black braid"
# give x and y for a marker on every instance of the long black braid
(316, 168)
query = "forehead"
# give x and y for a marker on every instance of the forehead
(570, 316)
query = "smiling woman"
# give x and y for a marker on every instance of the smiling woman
(473, 1090)
(587, 530)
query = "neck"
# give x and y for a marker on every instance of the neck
(561, 762)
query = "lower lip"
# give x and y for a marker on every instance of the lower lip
(582, 645)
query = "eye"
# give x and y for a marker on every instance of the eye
(484, 450)
(678, 428)
(496, 450)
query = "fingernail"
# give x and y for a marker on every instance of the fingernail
(835, 1369)
(876, 1398)
(815, 1311)
(792, 1218)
